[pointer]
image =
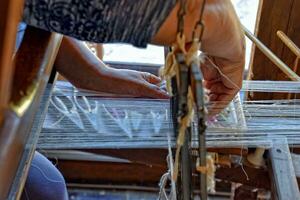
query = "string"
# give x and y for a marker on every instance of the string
(241, 164)
(220, 71)
(251, 86)
(168, 175)
(277, 116)
(281, 117)
(243, 122)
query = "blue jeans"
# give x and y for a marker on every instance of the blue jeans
(44, 181)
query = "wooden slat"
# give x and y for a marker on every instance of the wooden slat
(22, 172)
(144, 173)
(275, 15)
(283, 173)
(34, 61)
(111, 173)
(258, 178)
(10, 12)
(296, 164)
(292, 32)
(146, 155)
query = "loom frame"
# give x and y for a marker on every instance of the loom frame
(19, 131)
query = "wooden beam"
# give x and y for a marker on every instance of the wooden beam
(34, 61)
(285, 186)
(275, 15)
(296, 164)
(272, 57)
(10, 13)
(28, 154)
(258, 178)
(292, 32)
(147, 174)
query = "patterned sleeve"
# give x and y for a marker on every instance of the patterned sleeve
(100, 21)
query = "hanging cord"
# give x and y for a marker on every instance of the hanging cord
(180, 15)
(172, 68)
(168, 175)
(199, 23)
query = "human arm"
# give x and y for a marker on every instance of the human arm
(83, 69)
(223, 41)
(223, 44)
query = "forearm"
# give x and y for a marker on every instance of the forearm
(223, 36)
(76, 63)
(224, 43)
(84, 70)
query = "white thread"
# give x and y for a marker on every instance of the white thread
(241, 164)
(221, 73)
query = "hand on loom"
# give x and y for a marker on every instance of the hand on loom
(84, 70)
(223, 80)
(223, 42)
(224, 47)
(133, 83)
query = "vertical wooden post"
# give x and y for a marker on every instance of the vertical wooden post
(10, 13)
(275, 15)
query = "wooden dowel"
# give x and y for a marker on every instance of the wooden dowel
(265, 50)
(293, 47)
(289, 43)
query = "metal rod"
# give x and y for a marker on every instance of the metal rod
(202, 151)
(290, 73)
(186, 171)
(198, 77)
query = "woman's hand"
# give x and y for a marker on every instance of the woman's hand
(84, 70)
(223, 42)
(128, 82)
(223, 79)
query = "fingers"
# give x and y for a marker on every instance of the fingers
(220, 101)
(219, 96)
(150, 88)
(153, 91)
(151, 78)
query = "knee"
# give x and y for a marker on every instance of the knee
(44, 181)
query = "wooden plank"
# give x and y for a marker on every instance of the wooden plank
(296, 164)
(292, 32)
(22, 172)
(10, 13)
(275, 15)
(146, 155)
(111, 173)
(34, 62)
(283, 174)
(245, 192)
(258, 178)
(147, 173)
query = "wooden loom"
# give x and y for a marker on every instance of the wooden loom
(127, 164)
(23, 79)
(15, 156)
